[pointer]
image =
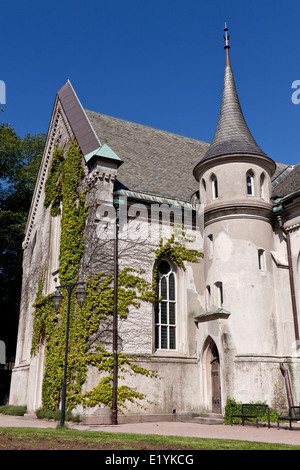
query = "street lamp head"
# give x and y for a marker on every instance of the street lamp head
(57, 299)
(81, 296)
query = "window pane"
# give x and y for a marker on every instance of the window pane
(220, 294)
(164, 267)
(259, 260)
(164, 313)
(171, 287)
(163, 292)
(172, 338)
(249, 185)
(164, 337)
(216, 188)
(172, 313)
(156, 311)
(156, 336)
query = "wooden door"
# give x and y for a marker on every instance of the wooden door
(215, 383)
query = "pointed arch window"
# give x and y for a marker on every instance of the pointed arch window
(250, 183)
(262, 186)
(165, 311)
(220, 298)
(261, 260)
(214, 187)
(207, 298)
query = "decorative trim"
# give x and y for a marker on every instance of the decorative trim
(98, 175)
(294, 227)
(53, 137)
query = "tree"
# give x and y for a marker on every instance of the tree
(19, 164)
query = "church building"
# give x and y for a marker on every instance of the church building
(226, 326)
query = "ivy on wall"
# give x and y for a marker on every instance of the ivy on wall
(176, 252)
(87, 324)
(62, 196)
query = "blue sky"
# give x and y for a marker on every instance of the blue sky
(155, 62)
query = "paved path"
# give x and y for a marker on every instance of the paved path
(219, 431)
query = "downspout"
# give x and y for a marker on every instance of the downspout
(284, 371)
(291, 276)
(288, 387)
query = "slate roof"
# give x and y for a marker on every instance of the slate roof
(156, 162)
(232, 134)
(288, 183)
(161, 163)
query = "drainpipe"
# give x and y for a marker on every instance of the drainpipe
(288, 387)
(292, 282)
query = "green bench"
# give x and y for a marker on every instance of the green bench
(294, 415)
(251, 411)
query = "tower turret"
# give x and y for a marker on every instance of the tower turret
(235, 186)
(233, 143)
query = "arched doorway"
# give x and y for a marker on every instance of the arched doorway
(215, 380)
(211, 362)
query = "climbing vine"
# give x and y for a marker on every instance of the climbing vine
(92, 323)
(176, 252)
(62, 197)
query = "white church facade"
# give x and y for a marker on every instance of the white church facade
(226, 326)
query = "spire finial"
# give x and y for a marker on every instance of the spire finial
(226, 37)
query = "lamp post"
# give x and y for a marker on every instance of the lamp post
(115, 320)
(57, 297)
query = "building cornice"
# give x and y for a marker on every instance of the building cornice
(58, 120)
(258, 210)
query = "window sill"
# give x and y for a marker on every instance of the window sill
(167, 353)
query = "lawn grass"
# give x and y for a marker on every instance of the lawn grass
(130, 441)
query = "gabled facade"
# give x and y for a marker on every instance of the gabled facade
(226, 326)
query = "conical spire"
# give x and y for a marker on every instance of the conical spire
(232, 135)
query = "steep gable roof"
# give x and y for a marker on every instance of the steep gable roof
(155, 162)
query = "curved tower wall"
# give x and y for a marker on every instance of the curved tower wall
(242, 316)
(238, 228)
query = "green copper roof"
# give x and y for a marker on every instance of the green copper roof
(103, 151)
